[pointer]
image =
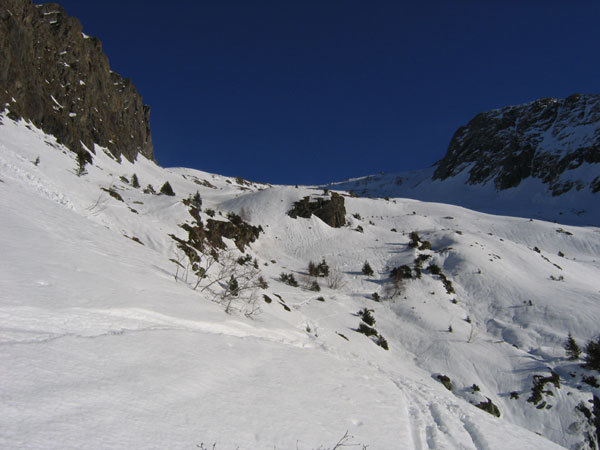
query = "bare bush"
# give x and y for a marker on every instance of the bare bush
(218, 273)
(335, 279)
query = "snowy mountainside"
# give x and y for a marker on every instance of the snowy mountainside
(536, 160)
(104, 343)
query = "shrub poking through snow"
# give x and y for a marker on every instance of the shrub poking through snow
(572, 349)
(288, 278)
(196, 201)
(366, 329)
(134, 181)
(82, 160)
(375, 296)
(414, 239)
(447, 285)
(318, 270)
(242, 260)
(401, 272)
(149, 190)
(382, 342)
(489, 407)
(367, 316)
(591, 381)
(323, 269)
(367, 269)
(166, 189)
(397, 277)
(420, 259)
(314, 286)
(435, 269)
(233, 287)
(538, 386)
(425, 245)
(592, 357)
(114, 194)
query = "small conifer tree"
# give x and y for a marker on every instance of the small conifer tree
(572, 349)
(233, 286)
(82, 161)
(323, 269)
(197, 200)
(134, 181)
(367, 316)
(592, 357)
(366, 269)
(166, 189)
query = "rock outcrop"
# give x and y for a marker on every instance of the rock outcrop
(331, 211)
(541, 139)
(54, 75)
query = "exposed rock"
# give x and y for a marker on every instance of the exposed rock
(332, 211)
(59, 79)
(206, 238)
(541, 139)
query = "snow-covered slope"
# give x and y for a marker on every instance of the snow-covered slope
(531, 199)
(104, 343)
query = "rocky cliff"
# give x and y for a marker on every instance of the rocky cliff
(542, 139)
(54, 75)
(540, 160)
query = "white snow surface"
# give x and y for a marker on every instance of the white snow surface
(531, 199)
(101, 347)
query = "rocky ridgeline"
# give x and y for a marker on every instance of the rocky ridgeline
(58, 78)
(541, 139)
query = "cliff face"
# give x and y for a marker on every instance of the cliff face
(542, 139)
(58, 78)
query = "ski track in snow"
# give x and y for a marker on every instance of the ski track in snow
(33, 182)
(99, 323)
(436, 425)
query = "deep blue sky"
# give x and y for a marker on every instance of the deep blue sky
(312, 91)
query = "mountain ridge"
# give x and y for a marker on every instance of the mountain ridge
(539, 160)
